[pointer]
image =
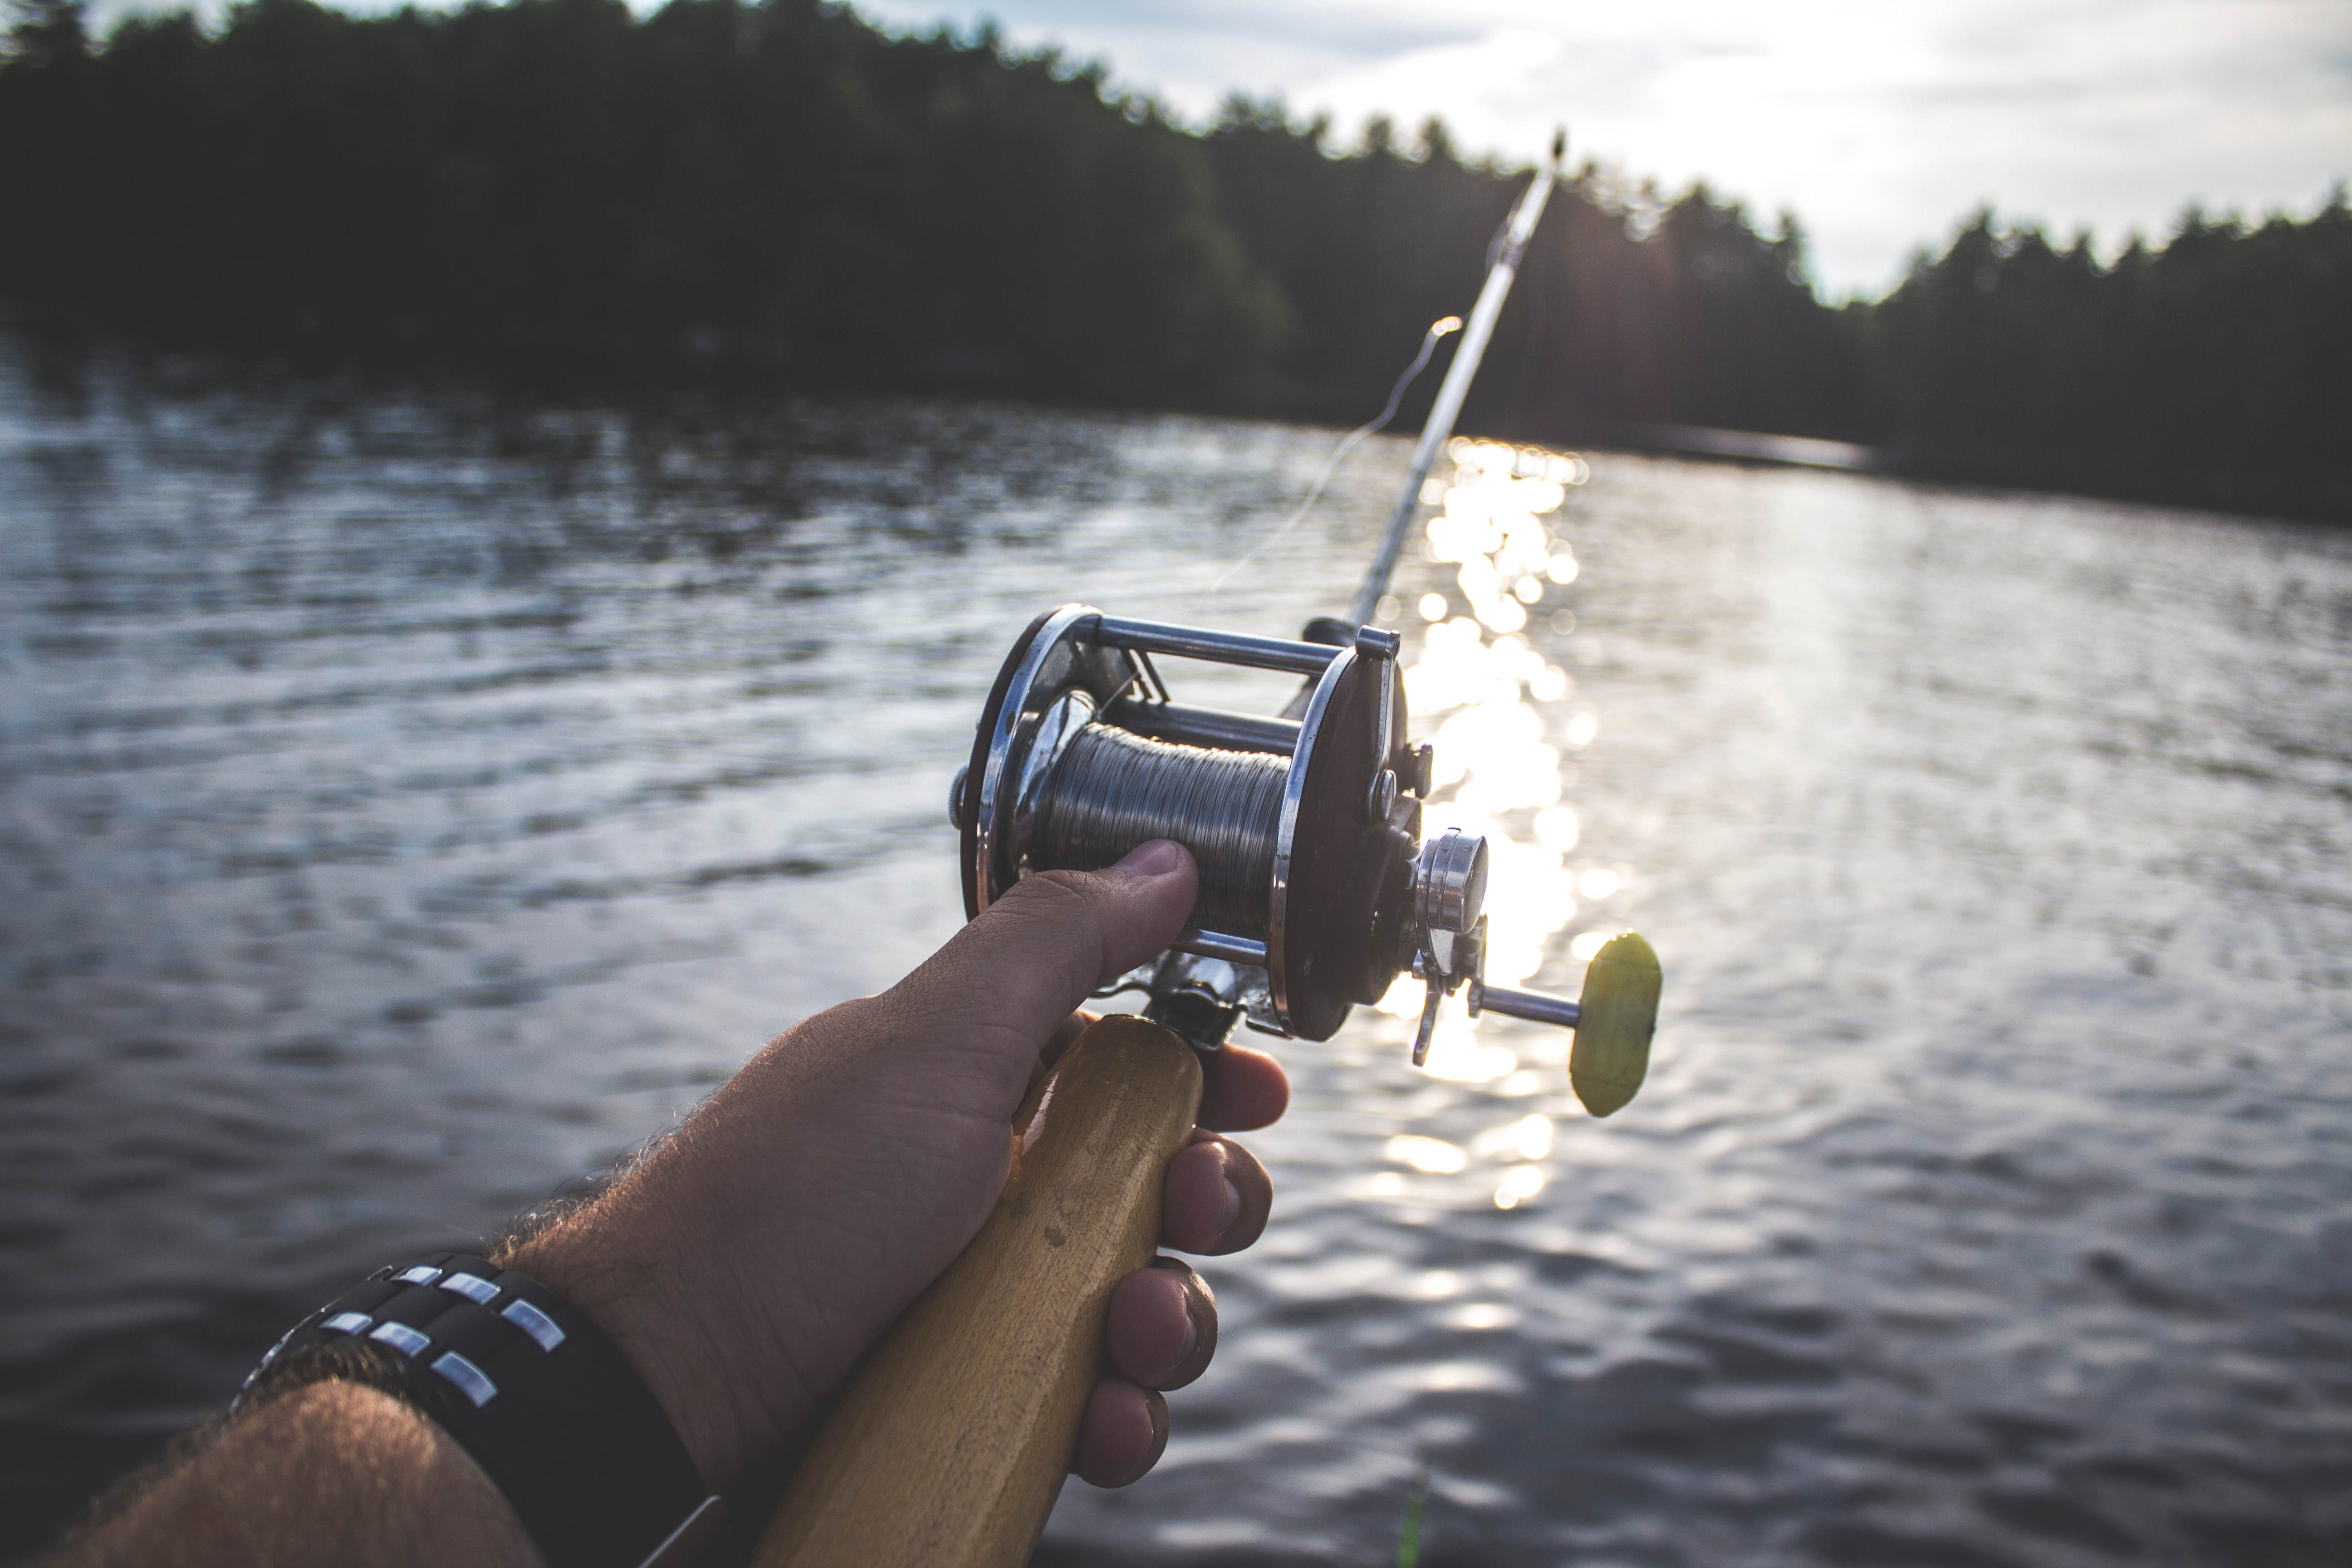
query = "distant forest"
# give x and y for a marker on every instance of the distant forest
(780, 195)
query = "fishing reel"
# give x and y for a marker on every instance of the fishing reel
(1317, 890)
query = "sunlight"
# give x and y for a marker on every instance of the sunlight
(1487, 699)
(1434, 1156)
(1519, 1184)
(1529, 1138)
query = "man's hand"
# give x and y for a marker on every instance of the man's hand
(745, 1265)
(748, 1262)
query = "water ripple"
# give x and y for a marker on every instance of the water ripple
(407, 802)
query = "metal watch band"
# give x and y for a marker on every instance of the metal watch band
(545, 1403)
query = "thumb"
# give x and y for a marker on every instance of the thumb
(1011, 976)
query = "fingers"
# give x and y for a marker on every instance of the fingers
(1012, 975)
(1122, 1433)
(1216, 1196)
(1162, 1329)
(1242, 1089)
(1163, 1326)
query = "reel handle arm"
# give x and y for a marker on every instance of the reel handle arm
(1614, 1018)
(1533, 1007)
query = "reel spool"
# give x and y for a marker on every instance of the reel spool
(1317, 890)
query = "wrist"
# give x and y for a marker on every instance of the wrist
(743, 1297)
(631, 1280)
(534, 1391)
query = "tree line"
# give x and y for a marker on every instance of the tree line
(779, 193)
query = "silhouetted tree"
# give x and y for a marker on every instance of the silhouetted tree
(779, 190)
(2216, 369)
(49, 32)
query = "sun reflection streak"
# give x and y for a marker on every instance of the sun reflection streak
(1435, 1156)
(1488, 688)
(1519, 1184)
(1529, 1138)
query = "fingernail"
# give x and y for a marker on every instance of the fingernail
(1159, 1409)
(1229, 1209)
(1156, 859)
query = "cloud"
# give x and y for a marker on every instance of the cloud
(1880, 125)
(1336, 31)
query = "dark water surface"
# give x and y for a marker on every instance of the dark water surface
(406, 804)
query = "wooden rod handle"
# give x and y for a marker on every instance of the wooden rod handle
(954, 1435)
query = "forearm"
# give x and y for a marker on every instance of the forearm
(333, 1473)
(744, 1266)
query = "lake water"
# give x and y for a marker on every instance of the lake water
(408, 802)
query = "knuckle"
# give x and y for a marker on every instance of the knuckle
(1048, 893)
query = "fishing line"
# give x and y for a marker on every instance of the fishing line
(1437, 329)
(1111, 791)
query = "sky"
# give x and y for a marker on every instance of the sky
(1881, 123)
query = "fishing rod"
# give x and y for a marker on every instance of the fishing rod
(1316, 891)
(1503, 266)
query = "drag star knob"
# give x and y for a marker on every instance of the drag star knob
(1451, 887)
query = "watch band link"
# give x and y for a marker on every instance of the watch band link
(545, 1403)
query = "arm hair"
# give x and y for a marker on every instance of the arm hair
(332, 1474)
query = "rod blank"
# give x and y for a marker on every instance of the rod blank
(1518, 230)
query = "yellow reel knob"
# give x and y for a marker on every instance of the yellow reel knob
(1616, 1015)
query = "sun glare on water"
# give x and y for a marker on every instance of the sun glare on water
(1506, 720)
